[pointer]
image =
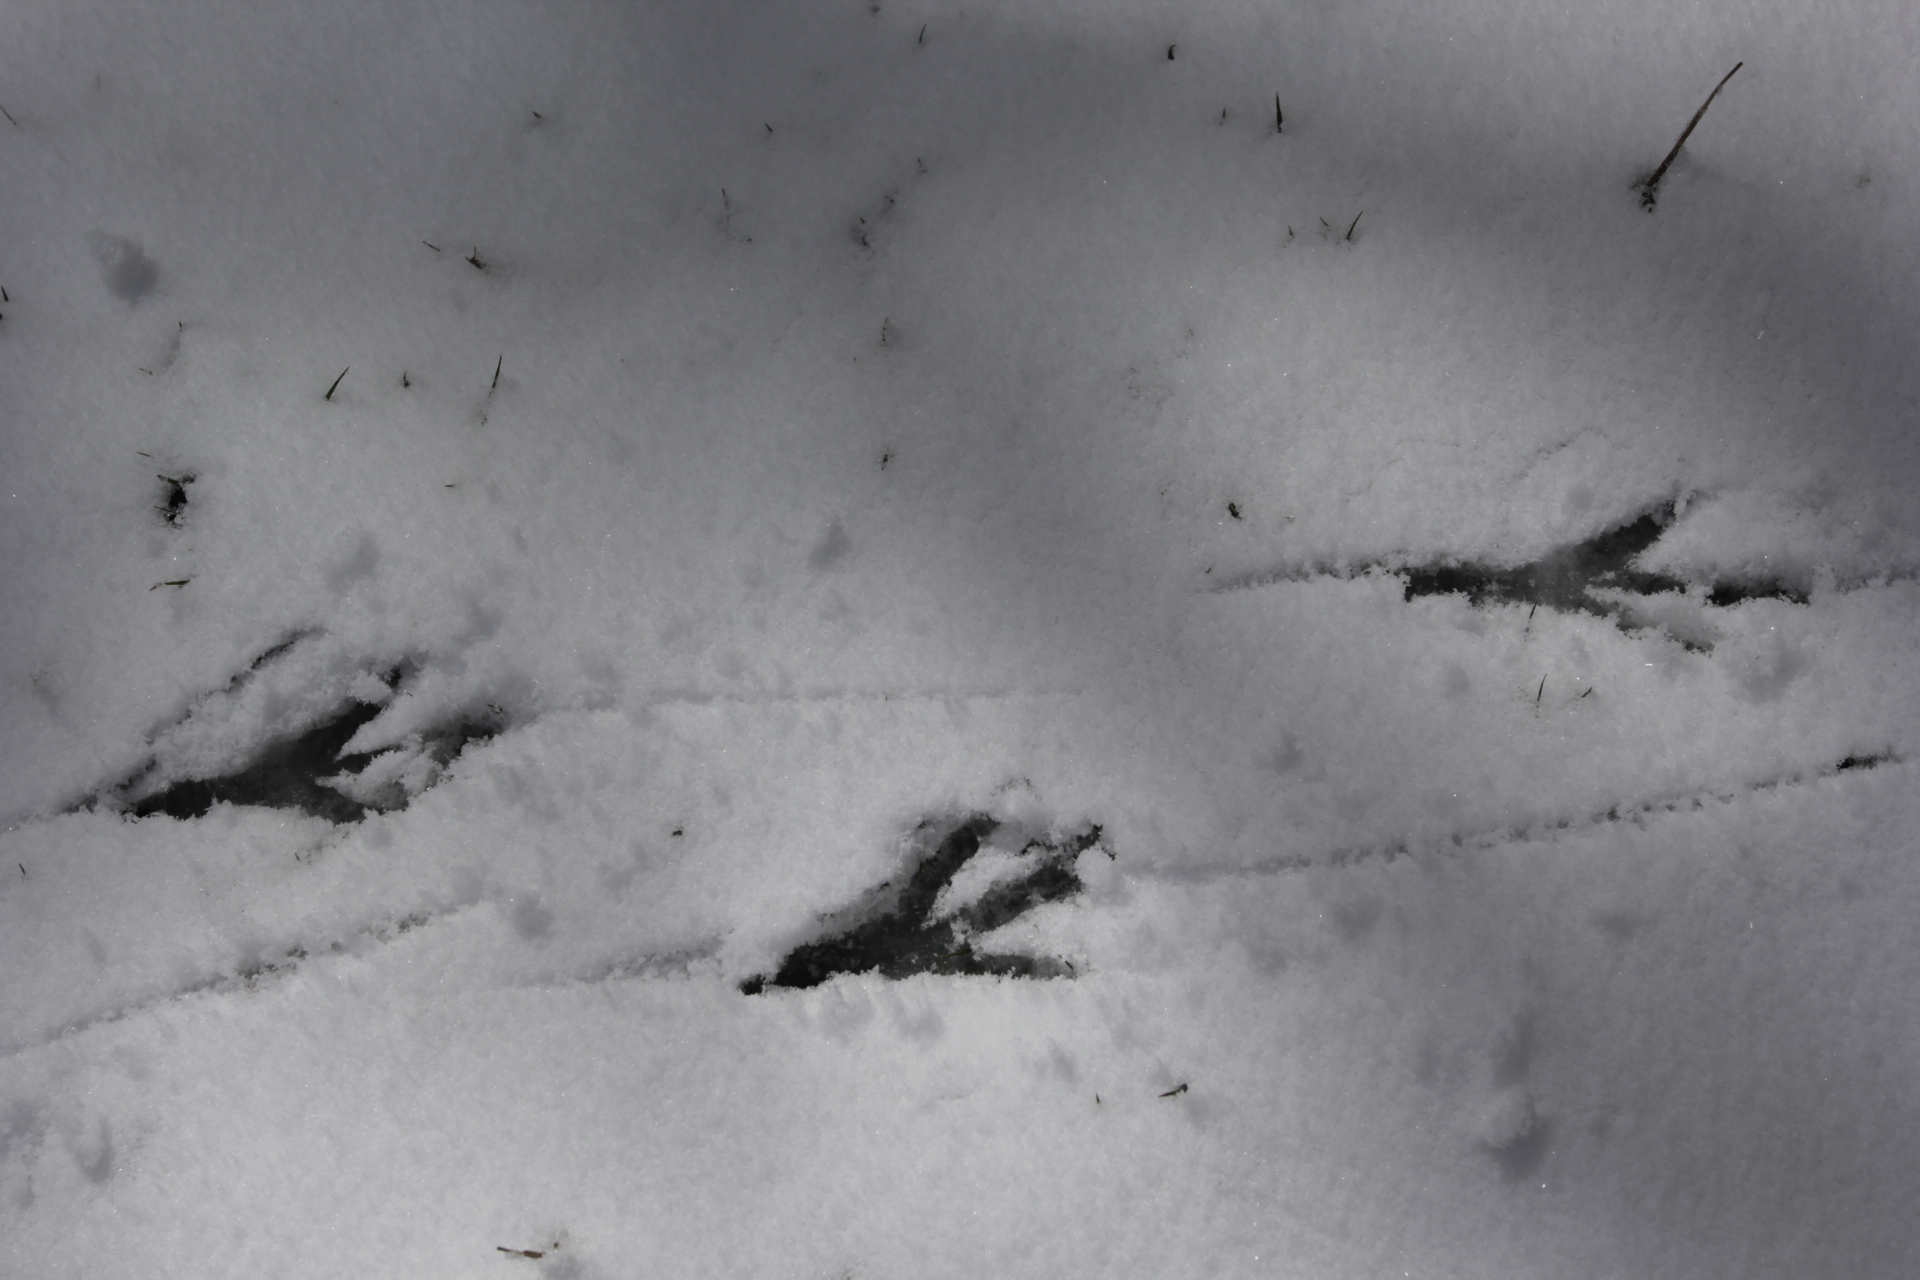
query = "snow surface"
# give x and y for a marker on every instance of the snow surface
(787, 421)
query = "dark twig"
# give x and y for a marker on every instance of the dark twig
(1279, 121)
(336, 384)
(1652, 183)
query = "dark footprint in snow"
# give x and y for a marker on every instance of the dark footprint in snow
(1596, 577)
(898, 933)
(1564, 578)
(283, 775)
(307, 771)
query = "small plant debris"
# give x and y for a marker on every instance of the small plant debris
(1279, 120)
(896, 934)
(1650, 185)
(1176, 1091)
(173, 498)
(1354, 224)
(336, 385)
(175, 582)
(473, 260)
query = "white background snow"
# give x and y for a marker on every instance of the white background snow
(873, 384)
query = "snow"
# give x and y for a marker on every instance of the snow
(707, 440)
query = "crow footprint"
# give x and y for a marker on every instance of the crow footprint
(311, 771)
(901, 930)
(1598, 576)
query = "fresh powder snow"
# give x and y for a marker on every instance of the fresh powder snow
(1324, 681)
